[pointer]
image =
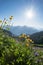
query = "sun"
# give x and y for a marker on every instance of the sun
(30, 14)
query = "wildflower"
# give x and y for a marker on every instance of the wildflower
(27, 44)
(11, 17)
(31, 40)
(36, 54)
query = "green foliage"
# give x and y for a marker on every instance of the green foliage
(15, 53)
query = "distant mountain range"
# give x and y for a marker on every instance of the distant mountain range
(17, 30)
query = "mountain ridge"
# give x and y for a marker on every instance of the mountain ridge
(17, 30)
(37, 37)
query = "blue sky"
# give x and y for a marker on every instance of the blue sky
(20, 10)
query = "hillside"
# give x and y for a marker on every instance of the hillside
(5, 32)
(6, 37)
(37, 37)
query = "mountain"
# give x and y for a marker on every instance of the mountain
(37, 37)
(17, 30)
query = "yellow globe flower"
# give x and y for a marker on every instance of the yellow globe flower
(11, 17)
(27, 44)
